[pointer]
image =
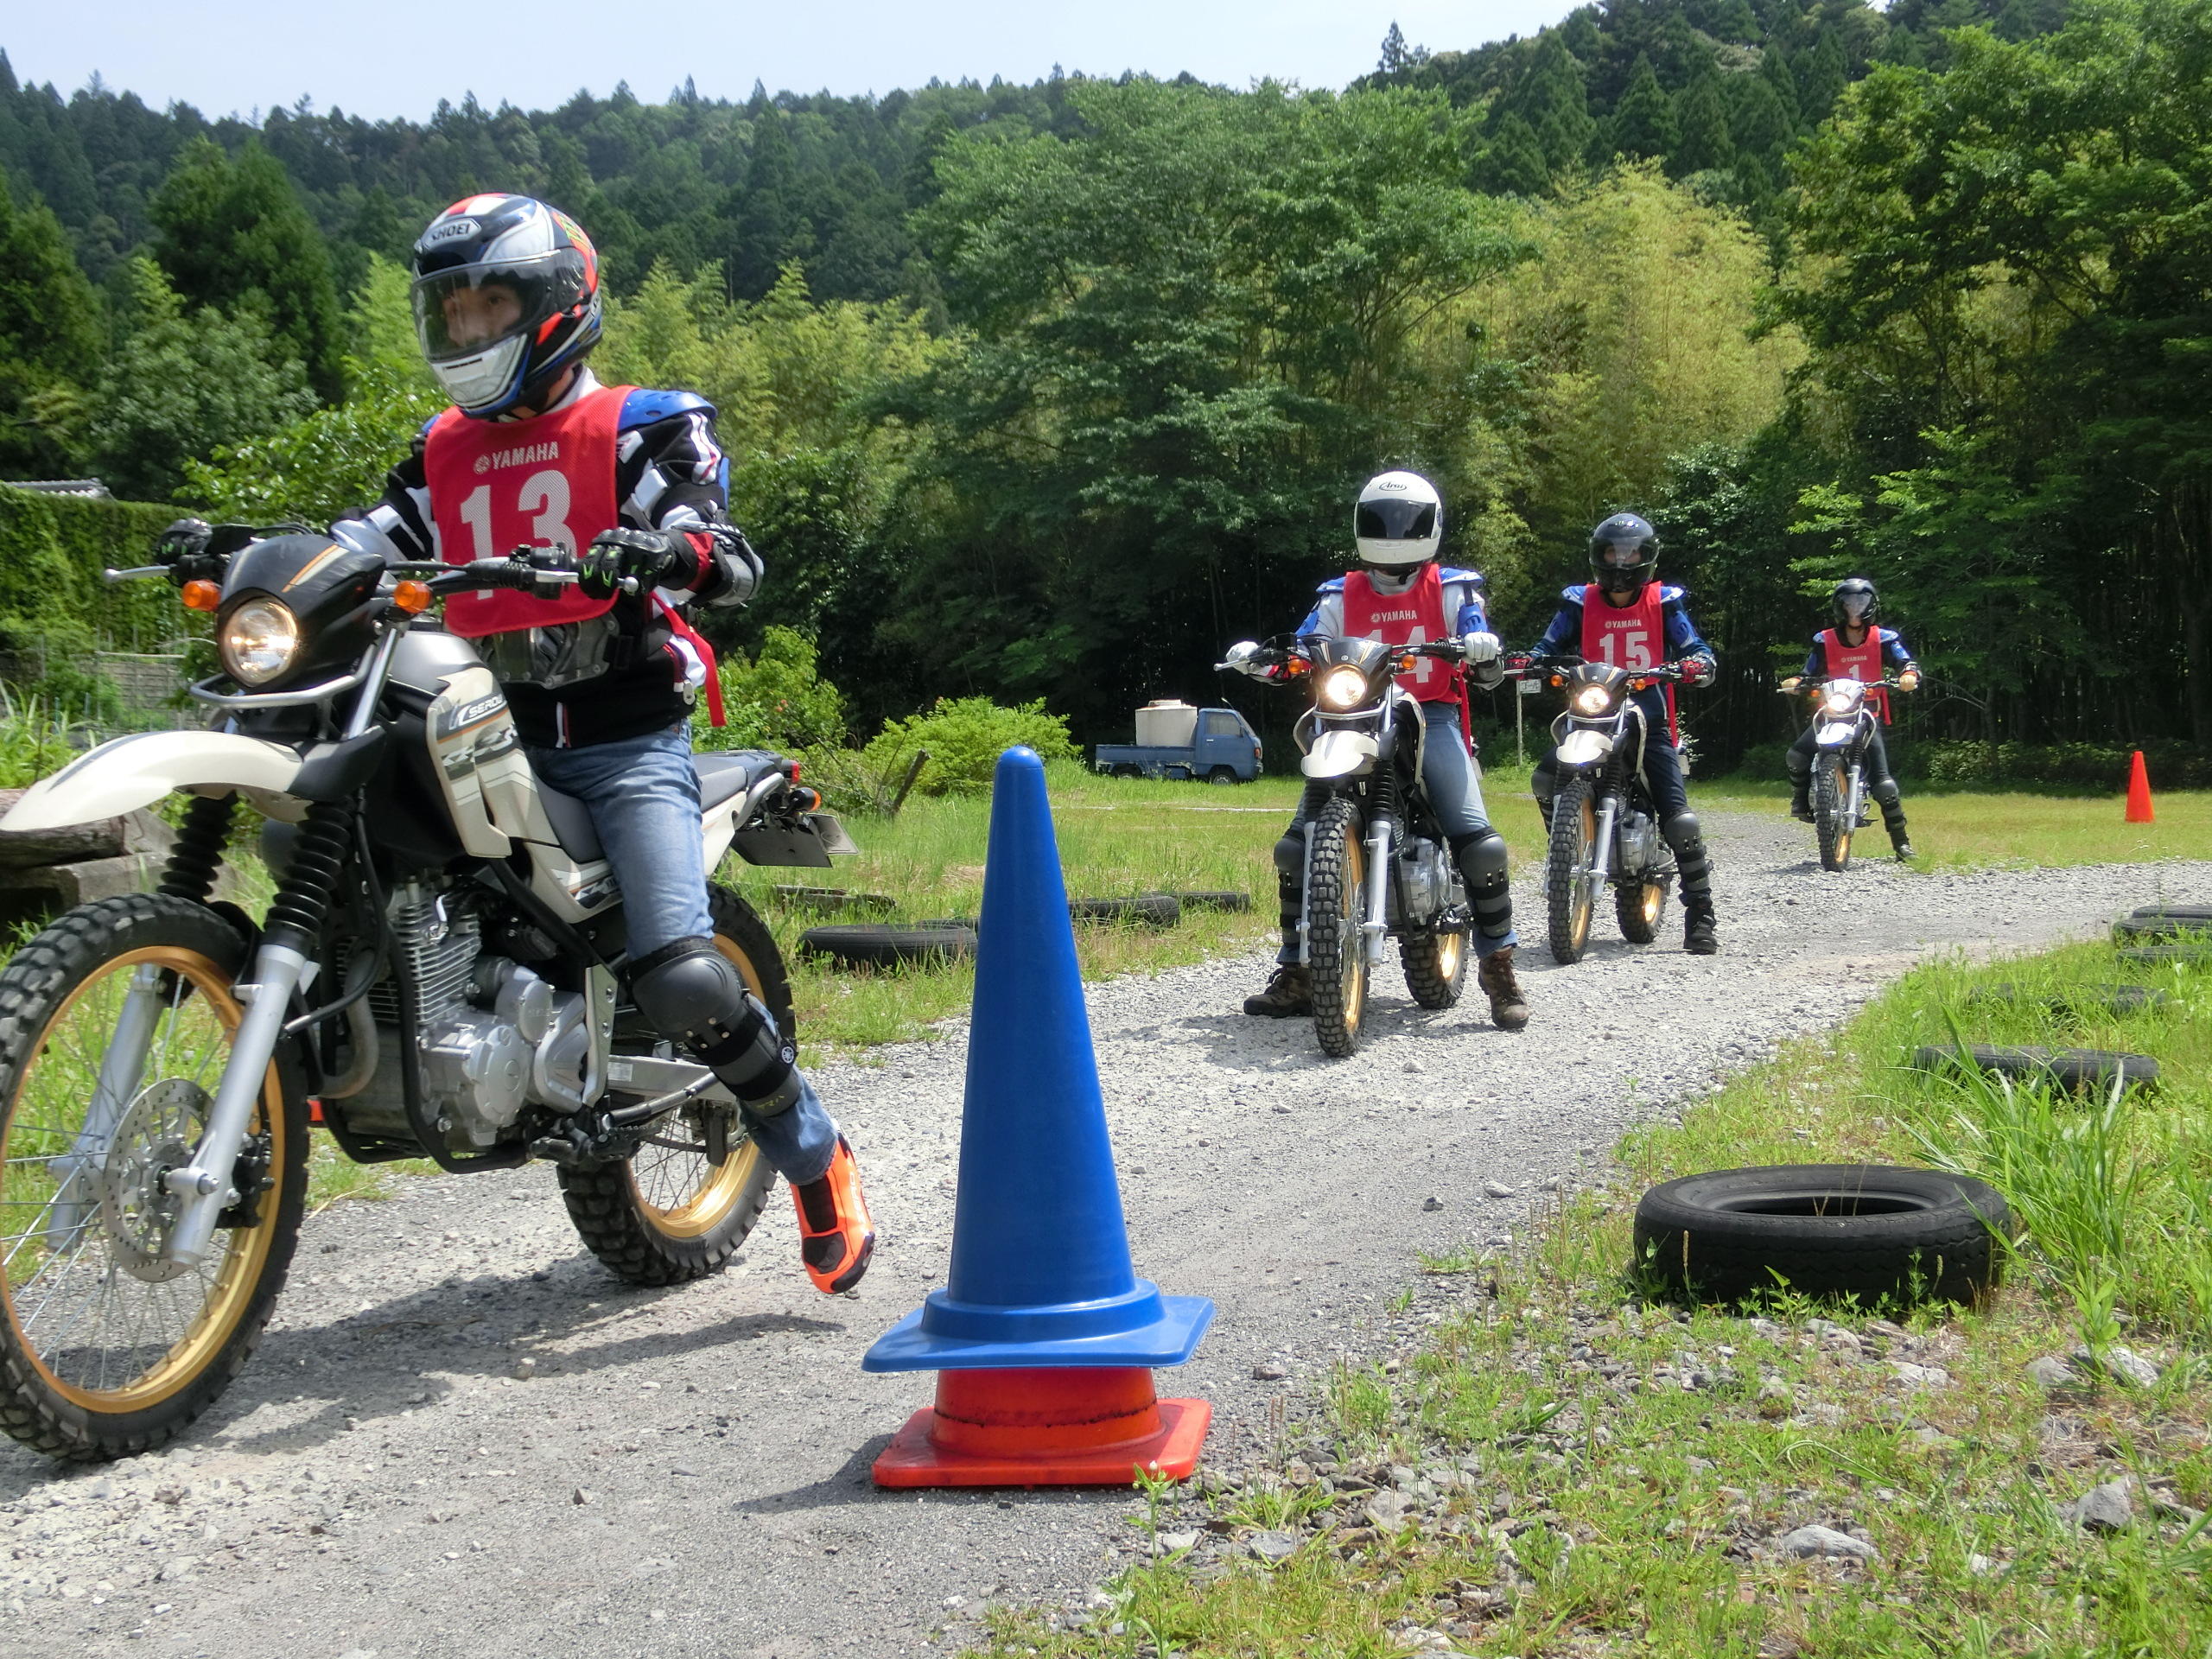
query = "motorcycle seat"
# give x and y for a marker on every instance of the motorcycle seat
(571, 820)
(724, 772)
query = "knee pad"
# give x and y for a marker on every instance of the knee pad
(1543, 783)
(1886, 793)
(1681, 831)
(694, 996)
(1481, 859)
(1797, 763)
(1290, 857)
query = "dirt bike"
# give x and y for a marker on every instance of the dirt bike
(1362, 741)
(441, 974)
(1843, 723)
(1604, 824)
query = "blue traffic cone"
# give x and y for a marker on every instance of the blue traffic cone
(1045, 1337)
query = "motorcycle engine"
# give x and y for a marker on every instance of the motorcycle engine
(1425, 876)
(493, 1036)
(1640, 843)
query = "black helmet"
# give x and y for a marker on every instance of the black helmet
(506, 297)
(1623, 554)
(1853, 603)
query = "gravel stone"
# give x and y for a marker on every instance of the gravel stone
(2122, 1365)
(1809, 1543)
(2108, 1508)
(2052, 1372)
(1273, 1547)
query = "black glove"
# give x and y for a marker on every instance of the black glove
(183, 547)
(658, 559)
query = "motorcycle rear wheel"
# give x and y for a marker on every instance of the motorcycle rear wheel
(1568, 901)
(1436, 967)
(106, 1350)
(1640, 907)
(1336, 950)
(669, 1214)
(1831, 815)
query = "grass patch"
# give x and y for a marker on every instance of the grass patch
(1567, 1469)
(1981, 829)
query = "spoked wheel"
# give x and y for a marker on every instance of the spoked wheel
(1568, 897)
(1831, 814)
(1436, 967)
(1640, 907)
(1336, 950)
(116, 1024)
(680, 1208)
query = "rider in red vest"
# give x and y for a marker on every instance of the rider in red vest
(1623, 616)
(1854, 648)
(1398, 594)
(536, 452)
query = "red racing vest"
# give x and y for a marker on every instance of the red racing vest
(548, 481)
(1400, 619)
(496, 485)
(1861, 662)
(1632, 636)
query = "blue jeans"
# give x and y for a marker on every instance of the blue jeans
(643, 801)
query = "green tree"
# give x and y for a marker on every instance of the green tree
(183, 385)
(1642, 126)
(1704, 144)
(50, 340)
(233, 236)
(1512, 163)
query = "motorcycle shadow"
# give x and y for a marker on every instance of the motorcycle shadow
(408, 1354)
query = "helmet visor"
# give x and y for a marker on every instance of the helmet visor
(1620, 555)
(464, 313)
(1395, 521)
(1855, 602)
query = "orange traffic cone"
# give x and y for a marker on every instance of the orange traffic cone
(2138, 792)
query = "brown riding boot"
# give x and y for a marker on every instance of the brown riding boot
(1289, 993)
(1508, 1007)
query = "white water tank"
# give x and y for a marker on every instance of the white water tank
(1167, 723)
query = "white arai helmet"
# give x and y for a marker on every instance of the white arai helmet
(1399, 522)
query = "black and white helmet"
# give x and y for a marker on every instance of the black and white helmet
(1853, 603)
(506, 297)
(1399, 522)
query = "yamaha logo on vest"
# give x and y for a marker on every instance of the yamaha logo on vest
(529, 455)
(1397, 616)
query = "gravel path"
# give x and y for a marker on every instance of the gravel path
(684, 1472)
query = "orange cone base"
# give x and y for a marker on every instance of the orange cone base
(1045, 1427)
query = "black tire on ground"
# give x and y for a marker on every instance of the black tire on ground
(1152, 909)
(1223, 775)
(1436, 967)
(2164, 953)
(73, 1390)
(1639, 907)
(1127, 770)
(2179, 913)
(2076, 1071)
(2131, 930)
(866, 945)
(1831, 804)
(669, 1214)
(1568, 898)
(2081, 1001)
(831, 899)
(1826, 1230)
(1335, 954)
(1215, 898)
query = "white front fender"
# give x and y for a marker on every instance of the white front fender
(1579, 748)
(1340, 754)
(127, 772)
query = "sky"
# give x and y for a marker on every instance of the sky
(399, 58)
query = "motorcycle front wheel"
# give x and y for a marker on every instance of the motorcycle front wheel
(1336, 950)
(1831, 812)
(1568, 899)
(670, 1213)
(116, 1025)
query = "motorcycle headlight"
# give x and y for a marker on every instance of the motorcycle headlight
(1591, 700)
(1839, 703)
(259, 642)
(1342, 687)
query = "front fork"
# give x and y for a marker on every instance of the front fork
(1377, 924)
(122, 1069)
(1601, 846)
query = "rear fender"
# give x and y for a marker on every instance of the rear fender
(128, 772)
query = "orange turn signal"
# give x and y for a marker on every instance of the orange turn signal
(412, 597)
(201, 595)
